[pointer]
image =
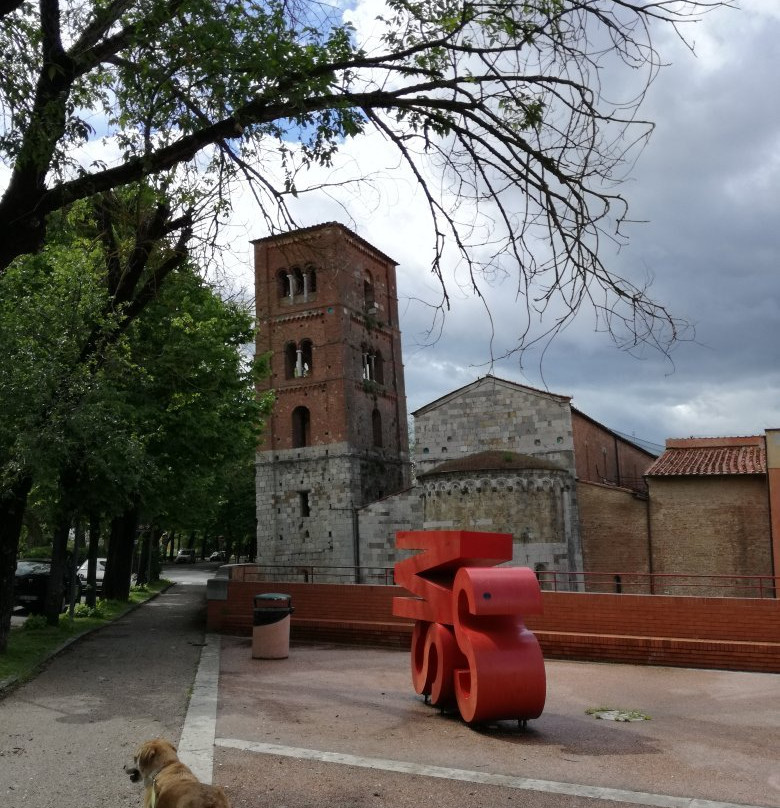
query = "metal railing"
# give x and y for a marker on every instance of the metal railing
(729, 586)
(319, 574)
(732, 586)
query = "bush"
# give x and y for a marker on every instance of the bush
(35, 622)
(98, 610)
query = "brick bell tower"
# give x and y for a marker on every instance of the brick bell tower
(327, 313)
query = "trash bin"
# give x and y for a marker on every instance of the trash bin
(271, 626)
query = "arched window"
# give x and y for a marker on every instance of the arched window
(373, 368)
(301, 434)
(369, 301)
(367, 372)
(376, 426)
(298, 285)
(290, 360)
(310, 275)
(379, 371)
(298, 359)
(306, 363)
(282, 284)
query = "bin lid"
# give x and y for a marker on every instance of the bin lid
(275, 597)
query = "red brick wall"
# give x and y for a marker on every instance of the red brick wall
(613, 528)
(710, 526)
(603, 457)
(732, 633)
(334, 318)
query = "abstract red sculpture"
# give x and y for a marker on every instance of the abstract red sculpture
(470, 647)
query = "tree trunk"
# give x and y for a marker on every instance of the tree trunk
(12, 505)
(142, 577)
(119, 560)
(156, 555)
(69, 484)
(55, 589)
(92, 557)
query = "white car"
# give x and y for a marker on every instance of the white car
(100, 571)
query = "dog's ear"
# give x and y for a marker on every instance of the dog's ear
(146, 753)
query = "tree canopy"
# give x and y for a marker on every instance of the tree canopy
(504, 99)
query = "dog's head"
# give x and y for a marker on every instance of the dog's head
(150, 758)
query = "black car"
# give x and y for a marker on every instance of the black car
(32, 578)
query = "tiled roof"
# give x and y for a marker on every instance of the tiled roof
(711, 456)
(493, 461)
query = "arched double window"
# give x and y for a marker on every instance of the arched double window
(297, 283)
(298, 359)
(373, 366)
(301, 427)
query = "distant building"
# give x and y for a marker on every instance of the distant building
(714, 508)
(499, 456)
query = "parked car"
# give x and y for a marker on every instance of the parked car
(218, 555)
(185, 557)
(100, 571)
(31, 581)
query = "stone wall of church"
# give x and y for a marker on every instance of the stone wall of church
(378, 523)
(535, 506)
(494, 415)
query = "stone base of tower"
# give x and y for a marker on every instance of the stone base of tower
(308, 501)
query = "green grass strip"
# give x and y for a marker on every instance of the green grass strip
(31, 644)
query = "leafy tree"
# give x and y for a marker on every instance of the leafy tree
(64, 309)
(235, 518)
(192, 395)
(501, 98)
(117, 409)
(47, 305)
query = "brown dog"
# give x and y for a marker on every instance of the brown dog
(168, 782)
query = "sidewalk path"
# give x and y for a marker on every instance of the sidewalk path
(65, 735)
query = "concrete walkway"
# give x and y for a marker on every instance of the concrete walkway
(343, 727)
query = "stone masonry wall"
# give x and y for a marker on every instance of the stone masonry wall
(494, 415)
(379, 522)
(532, 505)
(307, 501)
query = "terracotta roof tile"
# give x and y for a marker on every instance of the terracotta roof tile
(711, 456)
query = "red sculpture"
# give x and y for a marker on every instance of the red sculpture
(470, 646)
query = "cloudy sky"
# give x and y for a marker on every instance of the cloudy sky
(707, 191)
